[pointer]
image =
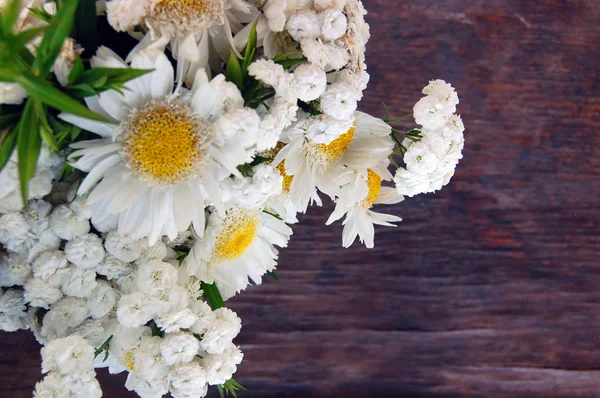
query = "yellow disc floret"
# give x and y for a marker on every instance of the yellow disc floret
(374, 183)
(164, 142)
(238, 231)
(287, 179)
(128, 360)
(189, 15)
(336, 148)
(272, 153)
(325, 155)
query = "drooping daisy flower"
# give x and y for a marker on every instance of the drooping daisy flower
(313, 162)
(358, 193)
(191, 27)
(158, 164)
(237, 247)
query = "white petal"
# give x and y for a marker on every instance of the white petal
(97, 173)
(100, 128)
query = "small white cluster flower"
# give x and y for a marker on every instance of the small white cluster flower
(69, 364)
(430, 163)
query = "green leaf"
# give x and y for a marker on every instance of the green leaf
(76, 71)
(29, 144)
(212, 294)
(221, 393)
(103, 348)
(45, 130)
(288, 63)
(9, 16)
(41, 14)
(285, 56)
(27, 35)
(99, 76)
(233, 72)
(7, 146)
(47, 93)
(54, 38)
(272, 275)
(250, 90)
(250, 49)
(231, 387)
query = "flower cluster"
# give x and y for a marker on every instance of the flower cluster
(161, 180)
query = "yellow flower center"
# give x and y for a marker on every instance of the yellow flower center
(164, 142)
(374, 184)
(325, 155)
(336, 148)
(238, 231)
(272, 153)
(189, 15)
(287, 179)
(128, 360)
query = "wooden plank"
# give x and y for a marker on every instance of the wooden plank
(489, 288)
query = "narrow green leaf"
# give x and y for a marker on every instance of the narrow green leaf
(212, 294)
(76, 71)
(251, 88)
(54, 38)
(114, 75)
(41, 14)
(27, 35)
(45, 130)
(9, 16)
(284, 56)
(7, 146)
(272, 275)
(45, 92)
(288, 63)
(221, 393)
(250, 49)
(233, 72)
(29, 144)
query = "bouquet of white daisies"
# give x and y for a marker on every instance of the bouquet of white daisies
(153, 155)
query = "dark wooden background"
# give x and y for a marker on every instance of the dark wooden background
(490, 288)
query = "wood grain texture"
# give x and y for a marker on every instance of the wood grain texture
(491, 288)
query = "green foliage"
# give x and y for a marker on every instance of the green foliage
(7, 145)
(212, 294)
(29, 144)
(272, 275)
(249, 50)
(94, 81)
(103, 348)
(54, 38)
(233, 71)
(44, 91)
(230, 387)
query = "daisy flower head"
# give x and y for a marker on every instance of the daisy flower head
(237, 247)
(191, 27)
(159, 161)
(359, 143)
(357, 195)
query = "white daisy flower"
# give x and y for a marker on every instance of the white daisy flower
(365, 145)
(358, 194)
(237, 247)
(159, 162)
(191, 27)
